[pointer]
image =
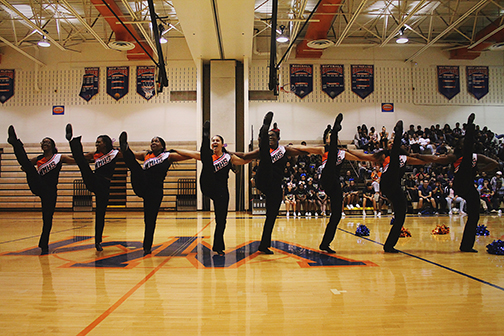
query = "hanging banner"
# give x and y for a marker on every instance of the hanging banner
(448, 80)
(6, 84)
(146, 82)
(363, 80)
(477, 81)
(90, 82)
(117, 81)
(333, 79)
(301, 79)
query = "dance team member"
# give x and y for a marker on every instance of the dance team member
(269, 176)
(394, 166)
(97, 181)
(42, 181)
(147, 180)
(217, 163)
(332, 160)
(465, 162)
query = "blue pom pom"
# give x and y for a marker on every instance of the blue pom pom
(362, 230)
(481, 230)
(496, 247)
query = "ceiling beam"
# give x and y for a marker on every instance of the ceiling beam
(21, 51)
(403, 22)
(31, 24)
(464, 16)
(84, 23)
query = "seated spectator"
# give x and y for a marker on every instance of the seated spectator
(290, 198)
(377, 196)
(301, 198)
(486, 195)
(425, 146)
(497, 196)
(351, 199)
(373, 139)
(440, 197)
(482, 177)
(357, 137)
(495, 179)
(425, 195)
(322, 200)
(441, 149)
(451, 198)
(411, 188)
(311, 198)
(368, 198)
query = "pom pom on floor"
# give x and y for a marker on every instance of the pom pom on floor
(496, 247)
(441, 230)
(405, 233)
(362, 230)
(481, 230)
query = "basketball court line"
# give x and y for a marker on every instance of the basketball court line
(121, 300)
(38, 235)
(431, 262)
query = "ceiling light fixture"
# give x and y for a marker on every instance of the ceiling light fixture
(402, 38)
(282, 37)
(44, 43)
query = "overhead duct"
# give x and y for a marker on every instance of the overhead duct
(486, 39)
(107, 8)
(318, 30)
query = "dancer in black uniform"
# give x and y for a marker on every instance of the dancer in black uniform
(332, 159)
(214, 177)
(97, 181)
(148, 180)
(465, 162)
(270, 174)
(42, 181)
(393, 165)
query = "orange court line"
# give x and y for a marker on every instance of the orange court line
(116, 305)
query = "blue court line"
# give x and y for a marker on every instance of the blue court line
(431, 262)
(15, 240)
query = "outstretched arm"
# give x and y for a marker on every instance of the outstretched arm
(359, 156)
(487, 163)
(178, 157)
(67, 159)
(441, 159)
(307, 149)
(237, 161)
(248, 156)
(415, 161)
(189, 153)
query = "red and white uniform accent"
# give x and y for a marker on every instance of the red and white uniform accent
(44, 165)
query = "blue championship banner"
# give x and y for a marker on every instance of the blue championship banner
(117, 81)
(90, 82)
(333, 79)
(448, 80)
(146, 81)
(363, 80)
(301, 79)
(6, 84)
(477, 81)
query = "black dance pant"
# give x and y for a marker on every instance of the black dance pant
(95, 183)
(390, 185)
(269, 186)
(463, 184)
(151, 193)
(47, 194)
(332, 186)
(218, 192)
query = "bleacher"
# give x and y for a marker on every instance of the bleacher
(16, 195)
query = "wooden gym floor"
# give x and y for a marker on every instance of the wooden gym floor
(182, 289)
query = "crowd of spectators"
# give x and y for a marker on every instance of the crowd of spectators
(428, 188)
